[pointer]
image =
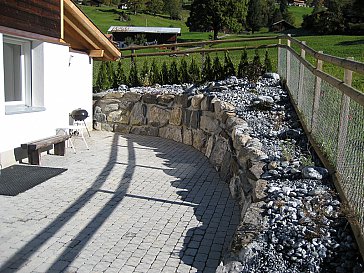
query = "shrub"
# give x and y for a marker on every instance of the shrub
(229, 69)
(102, 82)
(207, 73)
(243, 65)
(184, 74)
(173, 73)
(267, 63)
(194, 72)
(255, 68)
(164, 77)
(134, 79)
(154, 73)
(119, 76)
(144, 74)
(217, 70)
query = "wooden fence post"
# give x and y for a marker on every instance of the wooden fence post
(344, 120)
(316, 101)
(132, 57)
(288, 65)
(279, 56)
(301, 80)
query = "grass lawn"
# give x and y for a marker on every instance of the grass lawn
(336, 45)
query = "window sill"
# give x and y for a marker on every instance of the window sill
(22, 109)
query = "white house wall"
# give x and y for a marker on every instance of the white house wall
(61, 81)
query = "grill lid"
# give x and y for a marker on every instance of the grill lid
(79, 114)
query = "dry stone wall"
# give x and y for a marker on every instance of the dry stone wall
(202, 121)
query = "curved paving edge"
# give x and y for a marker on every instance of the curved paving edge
(207, 124)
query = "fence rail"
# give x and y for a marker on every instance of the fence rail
(330, 109)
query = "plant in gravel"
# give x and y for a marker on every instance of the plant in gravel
(288, 150)
(173, 73)
(217, 70)
(207, 72)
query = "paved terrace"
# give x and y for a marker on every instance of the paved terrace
(129, 204)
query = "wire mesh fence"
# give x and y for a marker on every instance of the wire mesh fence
(336, 124)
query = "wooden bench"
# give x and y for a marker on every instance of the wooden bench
(35, 148)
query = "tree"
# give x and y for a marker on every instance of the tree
(102, 81)
(134, 79)
(136, 5)
(267, 63)
(256, 17)
(216, 15)
(144, 74)
(155, 6)
(173, 8)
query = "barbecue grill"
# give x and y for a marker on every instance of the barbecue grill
(80, 115)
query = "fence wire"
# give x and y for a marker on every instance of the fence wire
(339, 134)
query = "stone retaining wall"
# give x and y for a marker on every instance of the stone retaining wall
(208, 124)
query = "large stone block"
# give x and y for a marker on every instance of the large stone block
(196, 101)
(191, 118)
(111, 107)
(149, 98)
(131, 96)
(233, 121)
(209, 146)
(122, 128)
(187, 136)
(165, 100)
(126, 106)
(137, 116)
(176, 116)
(158, 116)
(225, 172)
(218, 152)
(171, 132)
(184, 100)
(199, 139)
(206, 103)
(209, 125)
(113, 95)
(220, 107)
(144, 130)
(114, 116)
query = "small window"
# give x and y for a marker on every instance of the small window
(17, 72)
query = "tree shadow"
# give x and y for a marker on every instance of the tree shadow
(216, 214)
(78, 243)
(349, 43)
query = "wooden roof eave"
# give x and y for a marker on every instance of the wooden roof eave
(79, 27)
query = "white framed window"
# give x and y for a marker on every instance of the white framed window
(17, 72)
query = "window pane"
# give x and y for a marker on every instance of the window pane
(13, 72)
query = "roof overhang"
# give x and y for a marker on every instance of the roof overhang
(82, 35)
(161, 30)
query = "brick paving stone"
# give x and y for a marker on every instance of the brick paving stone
(129, 204)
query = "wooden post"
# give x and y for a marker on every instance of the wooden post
(301, 80)
(288, 65)
(279, 56)
(316, 101)
(132, 57)
(344, 120)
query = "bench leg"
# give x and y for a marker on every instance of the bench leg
(60, 148)
(34, 157)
